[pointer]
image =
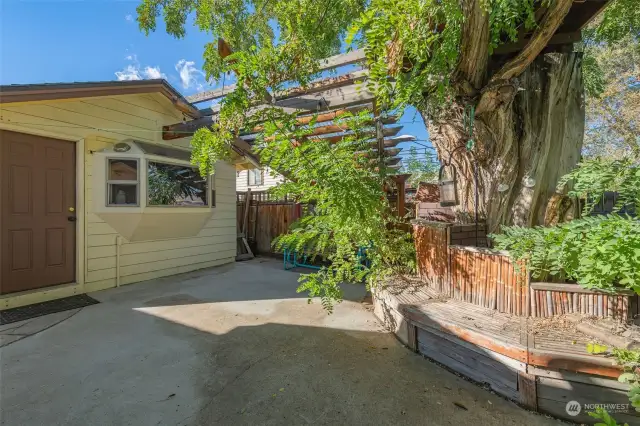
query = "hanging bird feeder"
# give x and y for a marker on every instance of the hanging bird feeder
(448, 186)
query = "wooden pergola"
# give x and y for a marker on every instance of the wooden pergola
(326, 100)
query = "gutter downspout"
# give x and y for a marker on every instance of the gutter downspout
(118, 246)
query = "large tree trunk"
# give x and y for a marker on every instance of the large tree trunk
(537, 133)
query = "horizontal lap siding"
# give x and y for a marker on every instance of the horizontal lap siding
(101, 122)
(215, 244)
(269, 181)
(139, 117)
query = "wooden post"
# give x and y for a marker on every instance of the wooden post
(412, 337)
(245, 217)
(400, 201)
(242, 237)
(528, 390)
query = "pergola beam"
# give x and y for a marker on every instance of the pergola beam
(319, 118)
(388, 152)
(387, 131)
(334, 128)
(556, 40)
(327, 64)
(325, 100)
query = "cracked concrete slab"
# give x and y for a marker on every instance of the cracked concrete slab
(233, 345)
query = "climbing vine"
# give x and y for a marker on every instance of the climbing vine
(351, 216)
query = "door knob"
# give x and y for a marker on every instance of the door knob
(72, 218)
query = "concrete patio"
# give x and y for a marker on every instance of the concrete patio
(229, 345)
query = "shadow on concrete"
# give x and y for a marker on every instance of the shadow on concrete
(262, 278)
(236, 346)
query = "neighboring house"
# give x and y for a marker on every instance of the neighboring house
(91, 197)
(257, 179)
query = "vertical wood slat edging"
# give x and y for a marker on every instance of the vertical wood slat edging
(412, 336)
(465, 267)
(528, 390)
(448, 248)
(529, 310)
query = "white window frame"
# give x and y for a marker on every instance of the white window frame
(249, 172)
(101, 184)
(110, 182)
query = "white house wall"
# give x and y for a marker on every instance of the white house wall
(269, 180)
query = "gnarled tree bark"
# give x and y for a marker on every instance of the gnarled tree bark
(535, 131)
(529, 121)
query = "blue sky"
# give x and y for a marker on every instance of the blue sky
(97, 40)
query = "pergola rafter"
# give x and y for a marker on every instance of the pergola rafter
(322, 102)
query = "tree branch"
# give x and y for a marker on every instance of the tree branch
(552, 19)
(474, 55)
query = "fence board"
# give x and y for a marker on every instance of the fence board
(268, 219)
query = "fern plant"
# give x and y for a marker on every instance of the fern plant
(599, 252)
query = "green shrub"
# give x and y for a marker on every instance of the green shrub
(599, 252)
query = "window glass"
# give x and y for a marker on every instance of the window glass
(255, 177)
(120, 169)
(123, 194)
(175, 185)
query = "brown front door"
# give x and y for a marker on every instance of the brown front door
(37, 227)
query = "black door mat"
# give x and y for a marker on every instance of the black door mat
(45, 308)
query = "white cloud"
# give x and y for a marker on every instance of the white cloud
(128, 18)
(153, 72)
(190, 76)
(134, 71)
(131, 72)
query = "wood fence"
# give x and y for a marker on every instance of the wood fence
(488, 278)
(268, 218)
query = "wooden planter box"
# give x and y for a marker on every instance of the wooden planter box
(550, 299)
(488, 278)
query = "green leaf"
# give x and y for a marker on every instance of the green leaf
(627, 378)
(596, 348)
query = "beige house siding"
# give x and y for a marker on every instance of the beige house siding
(99, 123)
(117, 117)
(215, 244)
(271, 179)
